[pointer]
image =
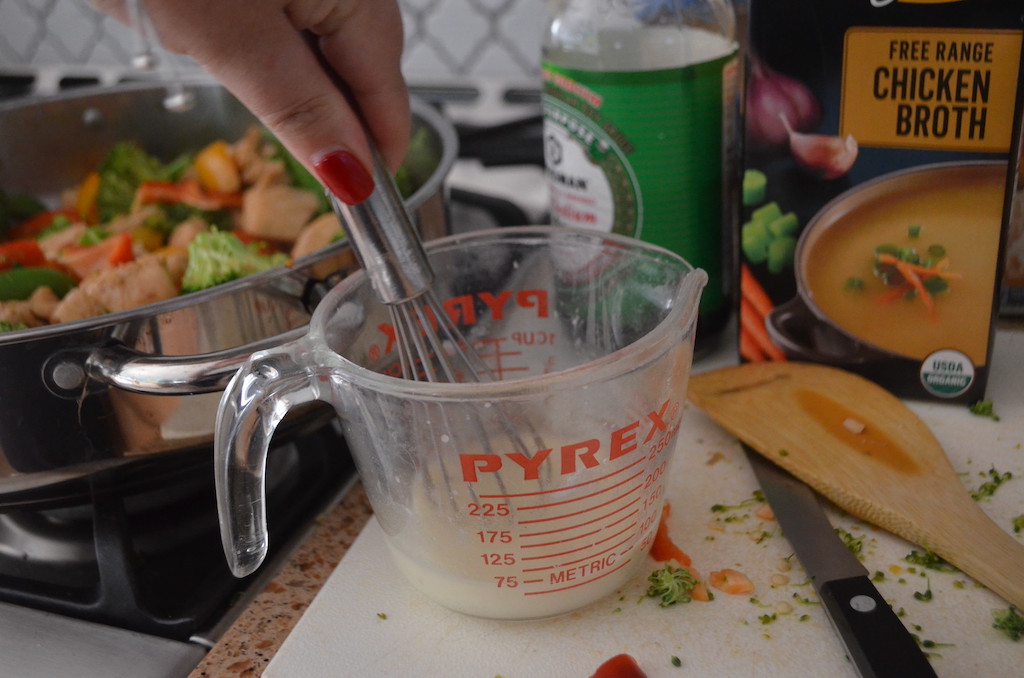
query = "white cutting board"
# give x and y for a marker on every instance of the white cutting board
(367, 621)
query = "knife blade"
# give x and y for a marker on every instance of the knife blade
(876, 641)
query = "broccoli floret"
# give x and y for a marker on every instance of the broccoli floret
(1010, 622)
(930, 560)
(10, 326)
(125, 166)
(58, 224)
(217, 257)
(984, 408)
(671, 584)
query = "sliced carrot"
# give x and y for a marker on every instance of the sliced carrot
(700, 591)
(749, 348)
(894, 293)
(938, 270)
(754, 323)
(754, 293)
(731, 581)
(765, 513)
(911, 277)
(664, 548)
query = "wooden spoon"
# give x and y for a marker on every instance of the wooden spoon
(863, 448)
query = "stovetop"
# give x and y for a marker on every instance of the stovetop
(133, 566)
(122, 577)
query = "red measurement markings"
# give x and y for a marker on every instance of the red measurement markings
(610, 488)
(580, 583)
(581, 512)
(625, 517)
(561, 541)
(599, 553)
(567, 487)
(583, 524)
(497, 359)
(583, 548)
(591, 556)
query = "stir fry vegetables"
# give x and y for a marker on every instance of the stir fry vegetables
(137, 230)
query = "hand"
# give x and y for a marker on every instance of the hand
(261, 51)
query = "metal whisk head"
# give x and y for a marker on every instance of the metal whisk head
(430, 346)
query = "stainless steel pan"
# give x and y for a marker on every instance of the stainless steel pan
(83, 396)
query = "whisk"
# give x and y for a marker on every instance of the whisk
(430, 346)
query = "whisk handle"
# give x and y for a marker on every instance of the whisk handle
(385, 239)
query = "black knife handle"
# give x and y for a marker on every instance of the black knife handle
(876, 640)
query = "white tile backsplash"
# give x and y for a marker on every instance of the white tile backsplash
(446, 40)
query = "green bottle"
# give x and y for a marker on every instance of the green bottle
(642, 130)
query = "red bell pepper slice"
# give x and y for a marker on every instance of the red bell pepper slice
(33, 226)
(188, 192)
(620, 666)
(24, 252)
(83, 260)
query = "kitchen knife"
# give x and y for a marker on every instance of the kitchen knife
(875, 639)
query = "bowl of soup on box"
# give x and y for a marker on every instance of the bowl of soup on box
(881, 158)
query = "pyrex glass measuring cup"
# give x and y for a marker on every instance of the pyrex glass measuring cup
(523, 497)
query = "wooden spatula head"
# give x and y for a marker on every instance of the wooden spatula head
(863, 448)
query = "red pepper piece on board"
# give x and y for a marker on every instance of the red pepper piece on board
(619, 666)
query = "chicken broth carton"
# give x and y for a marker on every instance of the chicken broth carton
(881, 152)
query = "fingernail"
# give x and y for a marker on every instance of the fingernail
(345, 176)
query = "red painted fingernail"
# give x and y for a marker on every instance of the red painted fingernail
(345, 176)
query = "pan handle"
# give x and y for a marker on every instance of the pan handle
(130, 370)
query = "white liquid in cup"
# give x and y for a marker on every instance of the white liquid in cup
(534, 548)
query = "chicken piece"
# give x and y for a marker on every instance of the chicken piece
(43, 301)
(76, 305)
(277, 211)
(129, 222)
(174, 261)
(19, 312)
(251, 154)
(130, 285)
(186, 231)
(318, 233)
(52, 244)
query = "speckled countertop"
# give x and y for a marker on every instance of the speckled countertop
(248, 646)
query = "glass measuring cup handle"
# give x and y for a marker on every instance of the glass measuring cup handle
(255, 401)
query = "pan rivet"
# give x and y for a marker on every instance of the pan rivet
(863, 603)
(92, 117)
(68, 376)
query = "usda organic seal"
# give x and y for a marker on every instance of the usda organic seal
(947, 373)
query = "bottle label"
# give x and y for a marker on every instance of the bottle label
(647, 154)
